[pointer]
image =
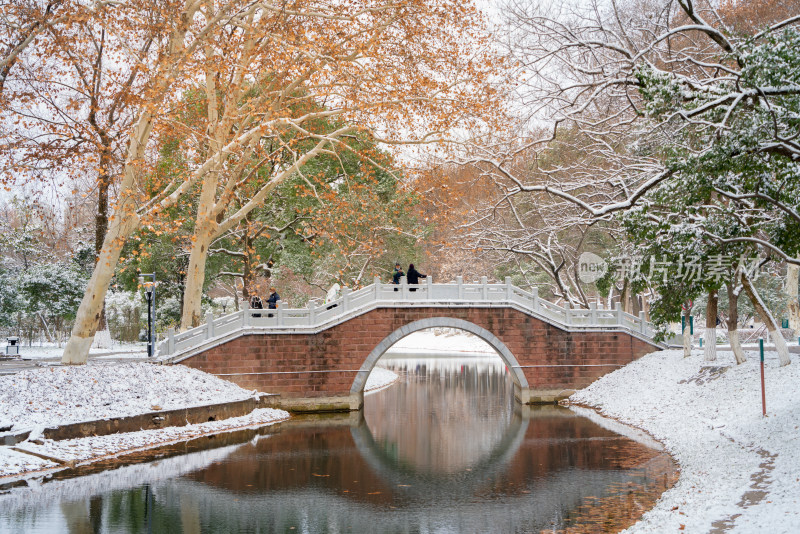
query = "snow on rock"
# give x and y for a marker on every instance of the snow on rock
(379, 378)
(62, 395)
(739, 470)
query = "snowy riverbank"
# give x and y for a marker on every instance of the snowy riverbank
(48, 397)
(739, 470)
(61, 395)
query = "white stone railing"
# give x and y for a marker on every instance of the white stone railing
(379, 295)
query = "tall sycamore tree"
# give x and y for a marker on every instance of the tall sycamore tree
(409, 72)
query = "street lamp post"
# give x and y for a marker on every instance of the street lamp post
(150, 295)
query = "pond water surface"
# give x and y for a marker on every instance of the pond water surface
(444, 449)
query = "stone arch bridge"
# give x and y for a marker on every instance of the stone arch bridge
(318, 358)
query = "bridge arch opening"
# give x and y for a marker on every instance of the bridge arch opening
(515, 371)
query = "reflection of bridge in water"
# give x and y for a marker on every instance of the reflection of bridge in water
(531, 476)
(330, 474)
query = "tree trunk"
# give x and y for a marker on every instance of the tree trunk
(195, 277)
(635, 307)
(733, 321)
(687, 332)
(125, 221)
(247, 271)
(101, 217)
(710, 335)
(624, 296)
(792, 275)
(769, 321)
(46, 327)
(88, 316)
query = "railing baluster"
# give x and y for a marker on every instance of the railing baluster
(485, 288)
(312, 313)
(460, 283)
(170, 340)
(209, 325)
(345, 298)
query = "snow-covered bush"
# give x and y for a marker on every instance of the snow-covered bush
(123, 309)
(168, 313)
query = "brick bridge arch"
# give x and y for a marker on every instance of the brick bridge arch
(324, 368)
(520, 382)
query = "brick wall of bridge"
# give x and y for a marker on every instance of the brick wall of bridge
(325, 364)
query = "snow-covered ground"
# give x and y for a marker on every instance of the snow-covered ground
(441, 342)
(739, 470)
(379, 378)
(44, 397)
(86, 450)
(46, 351)
(60, 395)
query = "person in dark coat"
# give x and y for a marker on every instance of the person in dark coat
(414, 275)
(397, 275)
(272, 301)
(255, 304)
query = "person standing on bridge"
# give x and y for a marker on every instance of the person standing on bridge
(255, 304)
(272, 301)
(414, 275)
(397, 275)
